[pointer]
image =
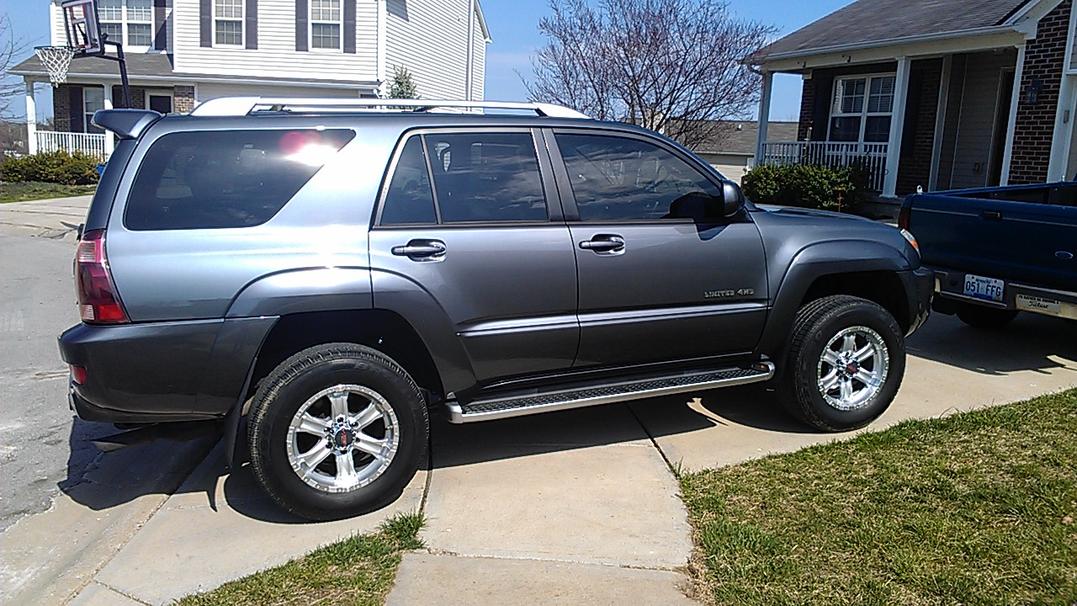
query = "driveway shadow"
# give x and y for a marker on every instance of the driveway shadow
(1030, 342)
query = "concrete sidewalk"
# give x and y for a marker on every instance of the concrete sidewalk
(572, 507)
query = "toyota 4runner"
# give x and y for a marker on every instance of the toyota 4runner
(333, 270)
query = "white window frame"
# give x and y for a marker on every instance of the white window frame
(310, 29)
(242, 19)
(863, 114)
(124, 21)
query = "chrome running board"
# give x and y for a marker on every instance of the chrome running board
(594, 395)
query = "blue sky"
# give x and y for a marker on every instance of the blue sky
(513, 26)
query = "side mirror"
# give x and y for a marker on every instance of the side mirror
(732, 199)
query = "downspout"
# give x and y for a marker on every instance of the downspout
(468, 94)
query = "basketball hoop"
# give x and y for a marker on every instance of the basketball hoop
(56, 60)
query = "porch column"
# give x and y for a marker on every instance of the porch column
(764, 116)
(897, 124)
(110, 142)
(31, 118)
(1011, 124)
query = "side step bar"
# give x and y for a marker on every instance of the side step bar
(594, 395)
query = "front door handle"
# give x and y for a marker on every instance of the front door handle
(991, 215)
(421, 249)
(604, 243)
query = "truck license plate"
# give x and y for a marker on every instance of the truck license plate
(988, 289)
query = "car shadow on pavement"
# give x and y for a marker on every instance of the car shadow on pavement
(1030, 342)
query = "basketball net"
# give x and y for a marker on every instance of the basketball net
(56, 60)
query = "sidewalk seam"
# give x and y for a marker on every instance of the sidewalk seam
(126, 595)
(453, 554)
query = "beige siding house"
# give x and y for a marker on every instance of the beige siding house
(183, 52)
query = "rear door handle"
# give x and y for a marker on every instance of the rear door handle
(604, 243)
(421, 249)
(991, 215)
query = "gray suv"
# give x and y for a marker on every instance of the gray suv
(332, 271)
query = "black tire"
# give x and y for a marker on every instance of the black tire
(815, 326)
(290, 385)
(985, 318)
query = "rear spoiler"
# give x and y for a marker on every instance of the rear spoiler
(126, 123)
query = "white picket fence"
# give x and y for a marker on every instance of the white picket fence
(870, 156)
(92, 144)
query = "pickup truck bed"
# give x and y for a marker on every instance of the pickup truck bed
(1006, 249)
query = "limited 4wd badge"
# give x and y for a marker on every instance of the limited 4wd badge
(729, 293)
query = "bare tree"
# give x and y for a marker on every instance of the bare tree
(10, 50)
(674, 66)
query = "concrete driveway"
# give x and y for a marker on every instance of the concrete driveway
(573, 507)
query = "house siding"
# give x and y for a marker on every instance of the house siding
(413, 27)
(1044, 63)
(276, 54)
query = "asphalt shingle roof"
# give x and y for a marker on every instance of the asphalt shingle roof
(866, 21)
(138, 64)
(740, 137)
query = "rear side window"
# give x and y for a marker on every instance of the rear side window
(217, 179)
(486, 176)
(409, 199)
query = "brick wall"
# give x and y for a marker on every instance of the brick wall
(61, 107)
(138, 96)
(807, 111)
(918, 138)
(1044, 59)
(182, 99)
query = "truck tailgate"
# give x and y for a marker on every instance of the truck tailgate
(1024, 242)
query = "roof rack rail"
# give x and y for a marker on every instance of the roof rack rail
(245, 106)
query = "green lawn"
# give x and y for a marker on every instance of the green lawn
(359, 570)
(36, 190)
(978, 508)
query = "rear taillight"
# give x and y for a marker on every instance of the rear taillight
(98, 301)
(903, 216)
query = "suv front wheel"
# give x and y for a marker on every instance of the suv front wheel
(337, 430)
(845, 363)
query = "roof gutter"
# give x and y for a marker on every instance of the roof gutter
(872, 44)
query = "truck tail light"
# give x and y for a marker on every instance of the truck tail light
(98, 301)
(903, 216)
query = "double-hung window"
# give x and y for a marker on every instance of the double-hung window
(228, 22)
(134, 16)
(862, 109)
(325, 24)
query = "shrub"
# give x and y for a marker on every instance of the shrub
(51, 167)
(807, 186)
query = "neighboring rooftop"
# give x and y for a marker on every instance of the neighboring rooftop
(867, 21)
(739, 137)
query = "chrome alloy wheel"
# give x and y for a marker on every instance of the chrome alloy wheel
(343, 438)
(853, 368)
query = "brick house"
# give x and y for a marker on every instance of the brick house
(939, 95)
(182, 52)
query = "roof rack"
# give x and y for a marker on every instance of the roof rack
(245, 106)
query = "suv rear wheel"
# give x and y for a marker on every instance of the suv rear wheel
(845, 363)
(337, 430)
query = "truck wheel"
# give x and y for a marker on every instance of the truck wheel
(985, 318)
(337, 430)
(844, 365)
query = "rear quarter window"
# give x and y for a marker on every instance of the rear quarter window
(220, 179)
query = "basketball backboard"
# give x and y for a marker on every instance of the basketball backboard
(82, 27)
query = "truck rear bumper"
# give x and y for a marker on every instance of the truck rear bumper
(161, 371)
(949, 292)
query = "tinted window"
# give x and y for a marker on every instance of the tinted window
(212, 179)
(486, 177)
(409, 199)
(617, 178)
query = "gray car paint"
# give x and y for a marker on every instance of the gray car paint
(502, 302)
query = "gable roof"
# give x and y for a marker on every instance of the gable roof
(867, 21)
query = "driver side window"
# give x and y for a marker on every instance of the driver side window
(626, 179)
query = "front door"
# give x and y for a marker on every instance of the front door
(660, 277)
(486, 244)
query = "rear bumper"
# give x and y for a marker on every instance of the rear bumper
(919, 285)
(949, 292)
(161, 371)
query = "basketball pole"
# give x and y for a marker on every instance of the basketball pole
(122, 60)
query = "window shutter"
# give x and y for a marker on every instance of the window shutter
(349, 26)
(75, 109)
(302, 14)
(250, 18)
(160, 24)
(205, 23)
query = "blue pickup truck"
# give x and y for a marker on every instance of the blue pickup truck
(999, 251)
